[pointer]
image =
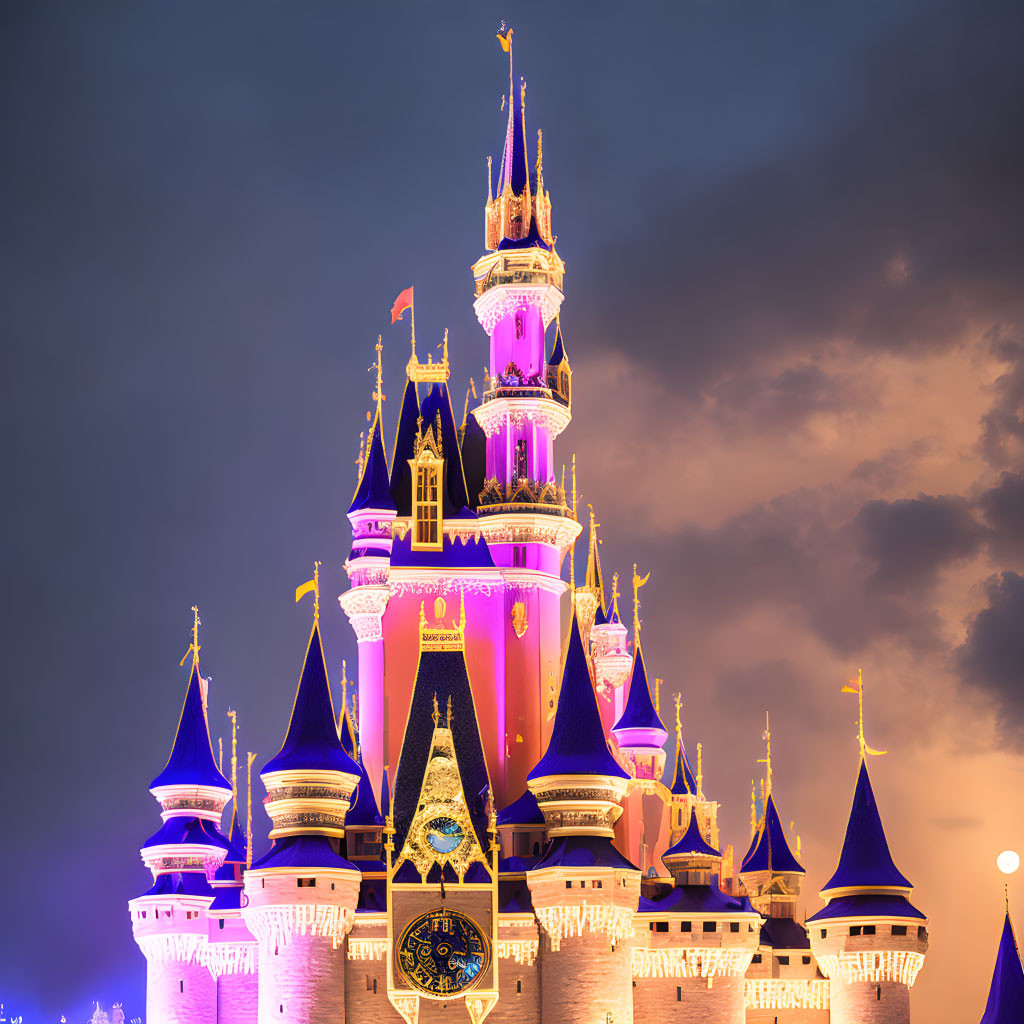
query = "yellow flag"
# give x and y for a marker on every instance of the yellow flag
(853, 686)
(306, 588)
(505, 39)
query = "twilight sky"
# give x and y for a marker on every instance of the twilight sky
(794, 308)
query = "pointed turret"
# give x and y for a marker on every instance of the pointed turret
(558, 376)
(865, 863)
(769, 850)
(577, 745)
(403, 450)
(192, 762)
(1006, 996)
(640, 725)
(683, 782)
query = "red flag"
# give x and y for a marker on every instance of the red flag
(402, 303)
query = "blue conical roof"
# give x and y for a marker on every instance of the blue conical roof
(404, 448)
(683, 782)
(363, 806)
(865, 862)
(515, 170)
(437, 403)
(312, 740)
(639, 712)
(1006, 996)
(385, 794)
(192, 762)
(524, 811)
(612, 614)
(374, 488)
(578, 745)
(769, 851)
(558, 352)
(692, 842)
(347, 733)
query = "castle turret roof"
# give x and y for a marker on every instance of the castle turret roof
(692, 842)
(363, 806)
(1006, 996)
(303, 851)
(437, 405)
(192, 762)
(524, 811)
(404, 449)
(683, 782)
(312, 741)
(577, 745)
(639, 712)
(769, 850)
(865, 861)
(558, 355)
(385, 794)
(533, 239)
(515, 169)
(582, 852)
(180, 831)
(374, 488)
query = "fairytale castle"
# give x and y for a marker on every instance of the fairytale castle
(503, 824)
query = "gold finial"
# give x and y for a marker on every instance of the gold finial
(679, 720)
(767, 759)
(490, 191)
(857, 686)
(344, 688)
(378, 391)
(700, 771)
(448, 718)
(657, 694)
(233, 715)
(194, 646)
(423, 616)
(1006, 897)
(638, 582)
(355, 720)
(540, 161)
(437, 714)
(311, 586)
(248, 818)
(362, 454)
(753, 809)
(572, 548)
(574, 515)
(220, 754)
(444, 354)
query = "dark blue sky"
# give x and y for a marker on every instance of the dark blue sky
(205, 213)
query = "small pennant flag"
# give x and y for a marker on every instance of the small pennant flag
(401, 304)
(852, 686)
(505, 37)
(306, 588)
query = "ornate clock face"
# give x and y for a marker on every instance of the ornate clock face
(443, 953)
(444, 834)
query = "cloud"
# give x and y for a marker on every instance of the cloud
(992, 656)
(910, 540)
(1003, 508)
(1002, 438)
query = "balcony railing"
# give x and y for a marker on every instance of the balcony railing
(525, 495)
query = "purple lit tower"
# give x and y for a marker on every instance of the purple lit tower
(170, 919)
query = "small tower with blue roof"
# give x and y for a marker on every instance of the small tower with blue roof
(169, 920)
(869, 940)
(584, 892)
(1005, 1003)
(301, 896)
(609, 653)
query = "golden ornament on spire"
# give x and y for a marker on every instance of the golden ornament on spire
(679, 721)
(767, 759)
(437, 713)
(193, 648)
(233, 715)
(378, 391)
(248, 817)
(311, 587)
(638, 582)
(857, 686)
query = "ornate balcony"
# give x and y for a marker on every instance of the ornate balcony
(525, 496)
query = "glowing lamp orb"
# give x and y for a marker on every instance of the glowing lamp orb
(1008, 862)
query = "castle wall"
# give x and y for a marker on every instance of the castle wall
(869, 1002)
(586, 980)
(302, 981)
(366, 973)
(690, 1000)
(238, 998)
(180, 993)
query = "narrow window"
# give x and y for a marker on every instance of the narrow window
(568, 885)
(869, 929)
(756, 959)
(519, 985)
(280, 1008)
(855, 929)
(679, 993)
(734, 926)
(181, 985)
(878, 992)
(426, 510)
(583, 885)
(897, 929)
(661, 926)
(220, 923)
(824, 932)
(783, 961)
(596, 885)
(374, 986)
(686, 926)
(710, 926)
(805, 959)
(519, 466)
(368, 985)
(922, 932)
(332, 885)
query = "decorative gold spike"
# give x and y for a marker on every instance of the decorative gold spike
(657, 695)
(423, 616)
(248, 818)
(378, 391)
(767, 759)
(220, 754)
(540, 162)
(194, 646)
(638, 582)
(490, 191)
(679, 721)
(437, 714)
(233, 715)
(857, 686)
(311, 586)
(753, 809)
(700, 771)
(448, 719)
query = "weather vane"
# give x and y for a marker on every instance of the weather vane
(193, 648)
(311, 586)
(767, 759)
(638, 582)
(857, 686)
(679, 721)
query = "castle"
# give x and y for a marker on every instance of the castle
(536, 855)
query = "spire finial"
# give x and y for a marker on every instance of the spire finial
(311, 586)
(767, 759)
(378, 391)
(657, 694)
(540, 161)
(857, 686)
(233, 715)
(490, 190)
(638, 582)
(753, 808)
(572, 550)
(679, 720)
(437, 713)
(193, 648)
(220, 754)
(248, 817)
(700, 771)
(448, 713)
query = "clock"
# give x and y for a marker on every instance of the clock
(443, 953)
(444, 834)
